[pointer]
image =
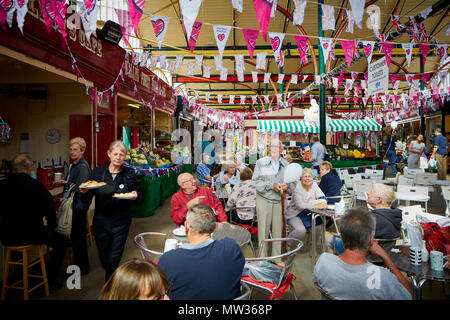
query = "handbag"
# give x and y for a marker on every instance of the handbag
(64, 213)
(306, 217)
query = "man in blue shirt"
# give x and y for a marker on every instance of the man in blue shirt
(390, 151)
(204, 172)
(440, 153)
(204, 268)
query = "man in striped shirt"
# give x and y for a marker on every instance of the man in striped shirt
(204, 172)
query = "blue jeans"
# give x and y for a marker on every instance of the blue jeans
(392, 157)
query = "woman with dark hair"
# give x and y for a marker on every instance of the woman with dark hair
(112, 217)
(416, 148)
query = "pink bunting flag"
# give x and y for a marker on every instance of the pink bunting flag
(425, 78)
(338, 101)
(53, 12)
(263, 9)
(195, 31)
(136, 8)
(424, 48)
(394, 78)
(125, 22)
(302, 44)
(387, 49)
(349, 50)
(250, 37)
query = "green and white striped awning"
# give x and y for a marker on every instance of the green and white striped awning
(295, 126)
(354, 125)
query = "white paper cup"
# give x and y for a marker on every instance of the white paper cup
(437, 260)
(415, 256)
(58, 176)
(170, 244)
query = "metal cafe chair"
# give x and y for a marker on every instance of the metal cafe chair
(360, 187)
(285, 281)
(141, 243)
(325, 296)
(245, 290)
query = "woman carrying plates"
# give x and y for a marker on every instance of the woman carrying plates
(112, 217)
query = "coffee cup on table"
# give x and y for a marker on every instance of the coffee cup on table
(58, 176)
(170, 244)
(437, 260)
(415, 256)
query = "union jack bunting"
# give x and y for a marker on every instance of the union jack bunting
(266, 99)
(374, 21)
(190, 68)
(179, 61)
(223, 74)
(173, 65)
(294, 78)
(219, 98)
(207, 94)
(350, 21)
(413, 31)
(153, 61)
(396, 21)
(266, 77)
(198, 62)
(380, 39)
(423, 35)
(242, 99)
(327, 17)
(231, 99)
(280, 78)
(254, 99)
(240, 74)
(206, 71)
(255, 76)
(196, 95)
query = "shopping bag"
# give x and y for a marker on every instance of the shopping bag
(423, 163)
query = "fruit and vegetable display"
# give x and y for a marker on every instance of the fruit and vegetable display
(353, 153)
(145, 158)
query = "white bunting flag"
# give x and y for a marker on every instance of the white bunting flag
(179, 61)
(223, 74)
(327, 17)
(294, 78)
(408, 48)
(239, 61)
(409, 79)
(374, 18)
(299, 12)
(261, 60)
(162, 61)
(266, 77)
(143, 58)
(189, 10)
(190, 68)
(254, 101)
(198, 62)
(442, 76)
(350, 21)
(219, 98)
(237, 5)
(231, 99)
(304, 78)
(240, 74)
(218, 62)
(160, 25)
(255, 76)
(326, 44)
(266, 99)
(88, 11)
(441, 52)
(274, 8)
(207, 94)
(154, 61)
(276, 40)
(416, 84)
(368, 49)
(280, 78)
(206, 71)
(357, 11)
(242, 99)
(221, 34)
(317, 80)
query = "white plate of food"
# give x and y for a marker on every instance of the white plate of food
(92, 184)
(180, 231)
(127, 195)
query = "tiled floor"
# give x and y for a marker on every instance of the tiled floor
(161, 222)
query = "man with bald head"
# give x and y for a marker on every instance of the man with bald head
(268, 179)
(189, 195)
(25, 202)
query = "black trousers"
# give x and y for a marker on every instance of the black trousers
(110, 240)
(79, 242)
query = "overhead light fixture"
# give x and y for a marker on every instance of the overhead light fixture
(134, 105)
(111, 32)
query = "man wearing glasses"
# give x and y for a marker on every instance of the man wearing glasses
(189, 195)
(268, 179)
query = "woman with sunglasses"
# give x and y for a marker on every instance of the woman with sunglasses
(137, 280)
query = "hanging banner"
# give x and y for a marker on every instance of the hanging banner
(263, 9)
(276, 41)
(368, 49)
(299, 12)
(327, 17)
(160, 25)
(350, 21)
(387, 49)
(326, 44)
(424, 48)
(88, 11)
(348, 46)
(250, 37)
(136, 8)
(441, 52)
(357, 11)
(302, 44)
(408, 48)
(378, 77)
(221, 34)
(189, 10)
(261, 60)
(126, 25)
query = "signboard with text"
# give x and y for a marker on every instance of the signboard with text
(378, 77)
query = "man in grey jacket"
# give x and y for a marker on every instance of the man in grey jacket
(318, 152)
(269, 183)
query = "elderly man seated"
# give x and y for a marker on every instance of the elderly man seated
(190, 195)
(204, 172)
(388, 218)
(350, 276)
(203, 269)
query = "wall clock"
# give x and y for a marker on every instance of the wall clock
(53, 136)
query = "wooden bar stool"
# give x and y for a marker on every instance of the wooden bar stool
(26, 263)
